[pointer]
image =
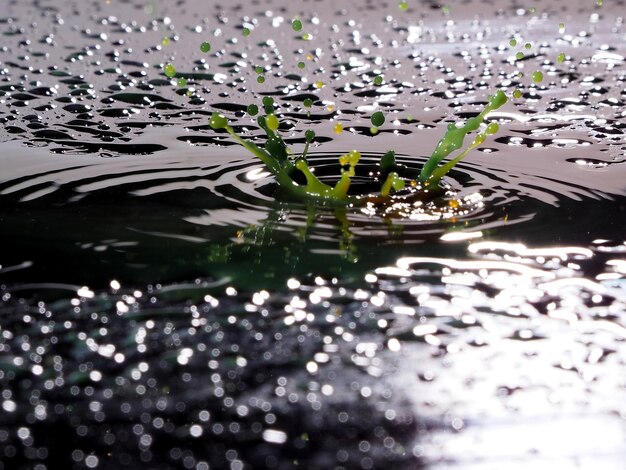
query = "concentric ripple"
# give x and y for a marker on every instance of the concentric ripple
(230, 208)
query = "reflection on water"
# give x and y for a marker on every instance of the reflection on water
(160, 306)
(533, 340)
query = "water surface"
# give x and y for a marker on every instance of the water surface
(164, 307)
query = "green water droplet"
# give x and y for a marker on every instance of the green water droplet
(268, 104)
(260, 79)
(537, 76)
(165, 41)
(519, 55)
(394, 182)
(445, 9)
(528, 45)
(205, 47)
(517, 94)
(309, 135)
(497, 100)
(301, 65)
(492, 128)
(308, 102)
(378, 80)
(182, 82)
(218, 121)
(272, 122)
(252, 109)
(378, 119)
(513, 42)
(561, 27)
(599, 3)
(479, 139)
(169, 70)
(397, 183)
(351, 158)
(258, 69)
(403, 5)
(373, 130)
(245, 32)
(296, 25)
(560, 58)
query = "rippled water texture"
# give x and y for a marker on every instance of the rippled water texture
(163, 305)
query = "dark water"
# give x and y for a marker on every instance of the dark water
(163, 306)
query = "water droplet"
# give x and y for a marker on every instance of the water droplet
(252, 110)
(170, 70)
(378, 119)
